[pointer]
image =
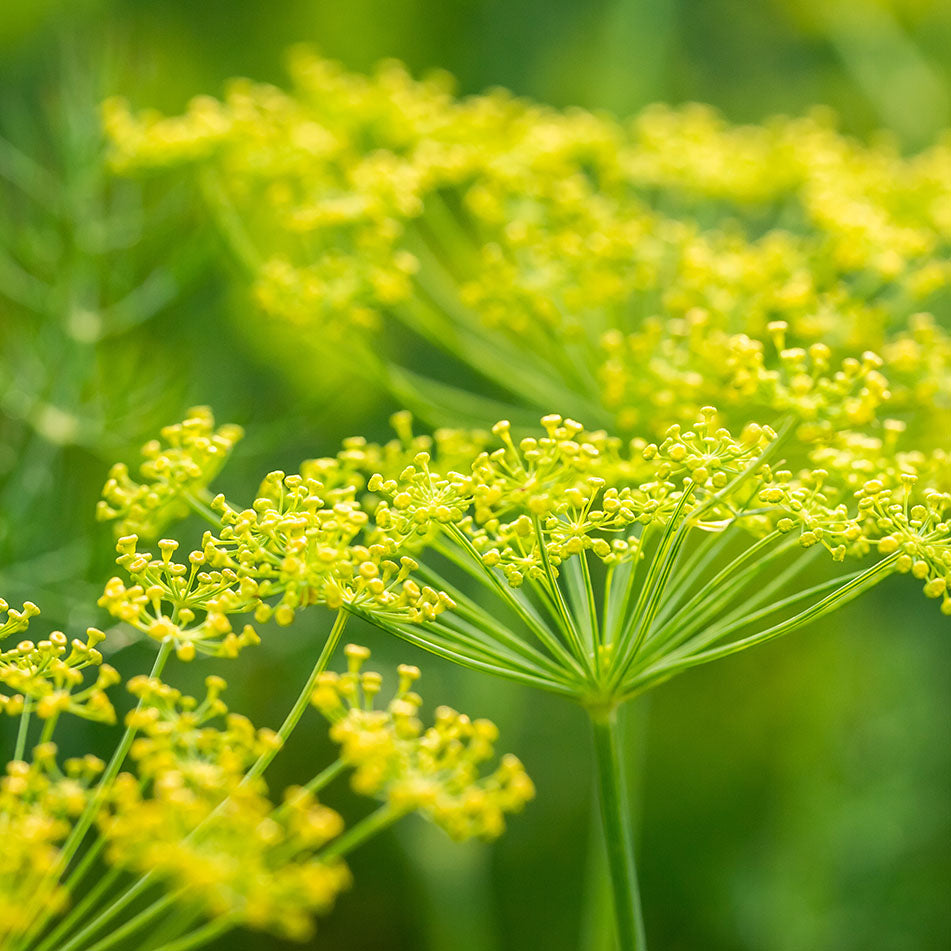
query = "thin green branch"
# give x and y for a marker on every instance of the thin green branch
(633, 633)
(431, 642)
(23, 729)
(723, 585)
(469, 610)
(365, 829)
(684, 624)
(200, 936)
(527, 614)
(134, 924)
(859, 583)
(738, 621)
(569, 625)
(303, 698)
(89, 900)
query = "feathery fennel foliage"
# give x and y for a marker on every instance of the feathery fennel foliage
(613, 271)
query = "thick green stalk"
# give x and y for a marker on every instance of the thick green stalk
(303, 699)
(618, 836)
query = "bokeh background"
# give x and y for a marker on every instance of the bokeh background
(795, 798)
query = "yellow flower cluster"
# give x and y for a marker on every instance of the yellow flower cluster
(531, 518)
(917, 533)
(305, 540)
(49, 674)
(186, 605)
(535, 504)
(178, 468)
(38, 803)
(541, 518)
(358, 459)
(434, 771)
(651, 375)
(190, 818)
(611, 268)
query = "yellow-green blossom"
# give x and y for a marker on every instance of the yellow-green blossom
(49, 674)
(305, 540)
(39, 801)
(604, 267)
(212, 838)
(178, 468)
(435, 771)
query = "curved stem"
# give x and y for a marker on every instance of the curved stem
(618, 837)
(303, 699)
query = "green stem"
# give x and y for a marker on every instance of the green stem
(592, 607)
(200, 936)
(618, 836)
(23, 728)
(178, 922)
(430, 642)
(199, 507)
(856, 584)
(322, 779)
(365, 829)
(88, 815)
(112, 770)
(488, 626)
(79, 939)
(528, 617)
(89, 901)
(48, 727)
(228, 220)
(567, 620)
(327, 776)
(303, 699)
(257, 767)
(135, 923)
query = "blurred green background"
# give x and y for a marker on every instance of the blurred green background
(794, 798)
